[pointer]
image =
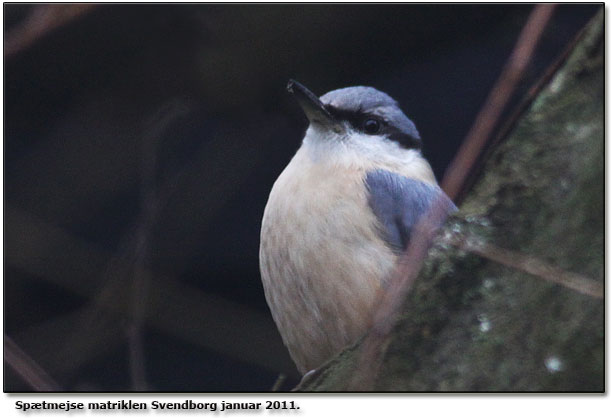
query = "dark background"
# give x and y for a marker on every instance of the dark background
(141, 142)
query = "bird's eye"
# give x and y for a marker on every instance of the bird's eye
(371, 126)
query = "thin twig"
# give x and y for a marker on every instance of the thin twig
(531, 265)
(27, 368)
(42, 20)
(392, 299)
(497, 100)
(149, 209)
(511, 121)
(278, 383)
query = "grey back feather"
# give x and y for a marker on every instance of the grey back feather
(398, 202)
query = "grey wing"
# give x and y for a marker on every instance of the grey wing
(398, 202)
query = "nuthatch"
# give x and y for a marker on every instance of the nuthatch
(338, 218)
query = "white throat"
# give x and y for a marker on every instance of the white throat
(355, 150)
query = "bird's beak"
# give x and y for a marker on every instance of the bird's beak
(311, 105)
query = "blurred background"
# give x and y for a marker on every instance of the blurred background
(140, 145)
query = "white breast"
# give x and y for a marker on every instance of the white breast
(322, 257)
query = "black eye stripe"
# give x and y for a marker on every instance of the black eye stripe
(357, 118)
(350, 116)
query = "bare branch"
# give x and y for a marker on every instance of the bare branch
(278, 383)
(43, 19)
(27, 368)
(531, 265)
(498, 98)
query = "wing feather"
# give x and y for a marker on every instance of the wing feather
(398, 202)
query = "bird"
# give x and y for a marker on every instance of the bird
(338, 218)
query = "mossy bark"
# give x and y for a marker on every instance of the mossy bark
(471, 324)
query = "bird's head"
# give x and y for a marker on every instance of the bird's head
(362, 119)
